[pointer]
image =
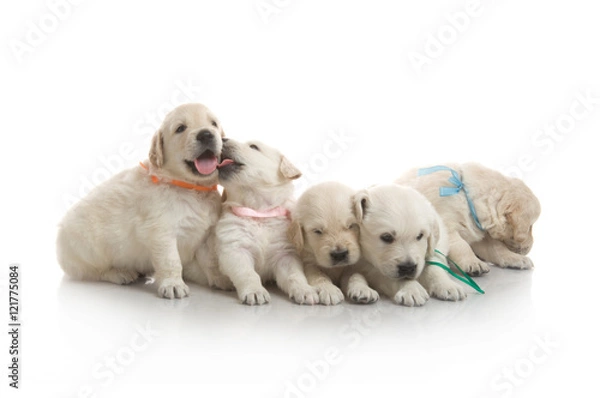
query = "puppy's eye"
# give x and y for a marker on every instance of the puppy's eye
(214, 124)
(420, 236)
(255, 147)
(181, 128)
(353, 225)
(318, 231)
(387, 237)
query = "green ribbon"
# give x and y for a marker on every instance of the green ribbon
(465, 278)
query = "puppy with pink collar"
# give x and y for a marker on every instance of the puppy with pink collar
(252, 243)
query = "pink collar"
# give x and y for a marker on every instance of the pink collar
(271, 213)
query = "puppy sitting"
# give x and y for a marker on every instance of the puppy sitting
(489, 216)
(156, 217)
(251, 234)
(325, 232)
(399, 232)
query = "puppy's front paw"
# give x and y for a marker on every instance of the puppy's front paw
(411, 295)
(516, 261)
(448, 291)
(475, 268)
(363, 295)
(304, 295)
(330, 295)
(257, 296)
(173, 288)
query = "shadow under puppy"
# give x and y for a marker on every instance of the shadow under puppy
(252, 242)
(489, 216)
(156, 218)
(399, 232)
(325, 232)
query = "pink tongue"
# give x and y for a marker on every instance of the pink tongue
(225, 162)
(206, 165)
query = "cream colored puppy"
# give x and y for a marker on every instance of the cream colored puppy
(324, 230)
(399, 232)
(498, 229)
(155, 218)
(252, 241)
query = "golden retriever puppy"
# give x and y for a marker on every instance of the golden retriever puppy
(252, 241)
(155, 218)
(399, 232)
(324, 230)
(489, 216)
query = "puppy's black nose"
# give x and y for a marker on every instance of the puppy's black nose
(339, 255)
(407, 268)
(205, 136)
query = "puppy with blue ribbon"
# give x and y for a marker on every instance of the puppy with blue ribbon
(489, 216)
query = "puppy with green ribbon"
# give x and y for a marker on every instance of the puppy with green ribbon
(401, 236)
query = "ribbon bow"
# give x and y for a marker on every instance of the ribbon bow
(449, 191)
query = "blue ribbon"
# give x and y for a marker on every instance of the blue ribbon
(449, 191)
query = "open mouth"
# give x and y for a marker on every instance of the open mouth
(206, 163)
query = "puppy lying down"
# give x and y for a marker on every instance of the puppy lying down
(399, 232)
(252, 243)
(155, 218)
(324, 230)
(489, 216)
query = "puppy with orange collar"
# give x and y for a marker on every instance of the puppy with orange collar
(156, 218)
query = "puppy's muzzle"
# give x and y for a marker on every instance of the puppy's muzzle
(338, 255)
(514, 247)
(406, 269)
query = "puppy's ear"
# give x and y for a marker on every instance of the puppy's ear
(224, 196)
(434, 237)
(156, 154)
(296, 236)
(502, 218)
(288, 170)
(361, 203)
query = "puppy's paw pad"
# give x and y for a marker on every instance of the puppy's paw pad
(413, 296)
(304, 295)
(476, 269)
(364, 295)
(257, 296)
(171, 288)
(448, 292)
(330, 295)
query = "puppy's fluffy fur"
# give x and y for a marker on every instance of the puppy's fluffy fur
(506, 208)
(399, 232)
(324, 230)
(130, 225)
(254, 250)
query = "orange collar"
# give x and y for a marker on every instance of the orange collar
(181, 184)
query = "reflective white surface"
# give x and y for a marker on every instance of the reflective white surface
(533, 332)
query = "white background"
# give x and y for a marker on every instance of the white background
(77, 104)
